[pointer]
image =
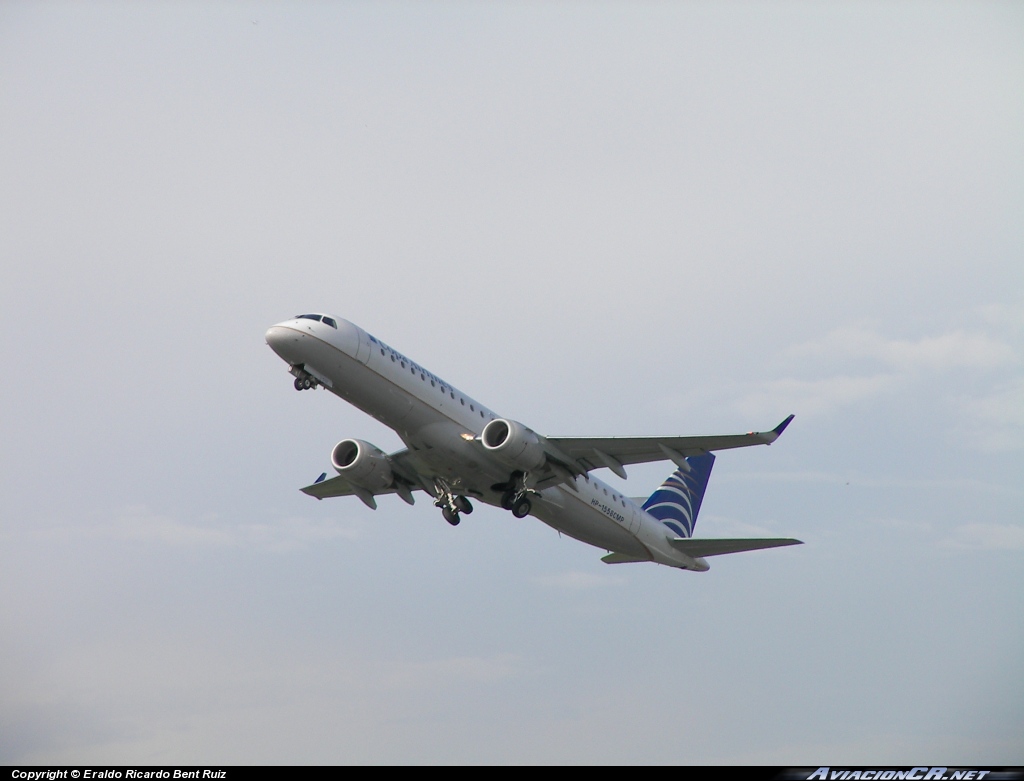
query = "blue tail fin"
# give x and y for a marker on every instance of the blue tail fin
(677, 500)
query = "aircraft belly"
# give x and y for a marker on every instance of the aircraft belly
(440, 447)
(571, 516)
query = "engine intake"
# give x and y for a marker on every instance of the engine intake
(513, 443)
(362, 464)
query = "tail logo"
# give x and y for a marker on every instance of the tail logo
(677, 500)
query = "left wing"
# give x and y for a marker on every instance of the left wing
(406, 480)
(587, 453)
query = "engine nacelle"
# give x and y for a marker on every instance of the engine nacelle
(362, 464)
(514, 444)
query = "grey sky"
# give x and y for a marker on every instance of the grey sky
(597, 219)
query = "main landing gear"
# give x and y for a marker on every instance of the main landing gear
(515, 495)
(451, 504)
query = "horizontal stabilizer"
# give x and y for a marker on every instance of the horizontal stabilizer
(699, 548)
(621, 558)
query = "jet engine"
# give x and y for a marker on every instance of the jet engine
(362, 464)
(514, 444)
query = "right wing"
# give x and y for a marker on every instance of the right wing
(582, 454)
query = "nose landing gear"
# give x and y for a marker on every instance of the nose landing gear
(303, 379)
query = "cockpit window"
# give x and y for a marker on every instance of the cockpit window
(319, 318)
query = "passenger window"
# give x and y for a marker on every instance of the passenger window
(433, 384)
(453, 394)
(463, 402)
(481, 413)
(472, 408)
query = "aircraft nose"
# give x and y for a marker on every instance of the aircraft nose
(276, 337)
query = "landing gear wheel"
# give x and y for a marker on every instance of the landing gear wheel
(463, 505)
(451, 516)
(307, 384)
(298, 384)
(522, 508)
(508, 500)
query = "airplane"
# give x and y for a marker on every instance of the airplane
(458, 449)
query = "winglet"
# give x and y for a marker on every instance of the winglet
(320, 479)
(770, 436)
(782, 426)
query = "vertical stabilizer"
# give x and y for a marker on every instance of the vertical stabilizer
(677, 500)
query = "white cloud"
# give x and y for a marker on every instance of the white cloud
(720, 526)
(953, 350)
(1002, 315)
(292, 533)
(576, 581)
(986, 536)
(910, 525)
(811, 397)
(905, 363)
(999, 418)
(445, 672)
(862, 480)
(141, 524)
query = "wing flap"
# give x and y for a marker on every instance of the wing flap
(699, 548)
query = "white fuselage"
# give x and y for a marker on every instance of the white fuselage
(441, 426)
